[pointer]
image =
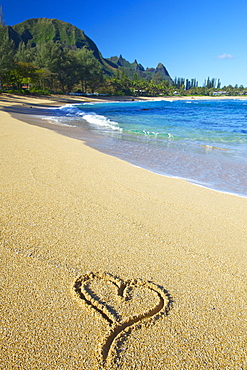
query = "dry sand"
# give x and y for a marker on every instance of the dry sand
(108, 266)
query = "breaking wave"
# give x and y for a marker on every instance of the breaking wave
(73, 110)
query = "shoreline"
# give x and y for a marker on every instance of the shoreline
(36, 117)
(54, 99)
(68, 210)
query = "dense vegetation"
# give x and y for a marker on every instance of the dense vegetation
(49, 56)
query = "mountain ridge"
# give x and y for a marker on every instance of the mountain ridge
(36, 31)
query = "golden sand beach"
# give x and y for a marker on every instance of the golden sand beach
(108, 266)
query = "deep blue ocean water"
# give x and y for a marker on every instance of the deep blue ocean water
(203, 141)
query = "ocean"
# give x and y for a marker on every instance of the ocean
(202, 141)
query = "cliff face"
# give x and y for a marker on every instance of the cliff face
(41, 30)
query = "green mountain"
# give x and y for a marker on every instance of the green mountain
(131, 69)
(41, 30)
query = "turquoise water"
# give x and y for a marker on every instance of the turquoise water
(203, 141)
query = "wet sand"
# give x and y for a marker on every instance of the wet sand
(109, 266)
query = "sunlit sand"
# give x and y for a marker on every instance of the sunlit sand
(108, 266)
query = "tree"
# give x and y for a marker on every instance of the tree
(136, 77)
(26, 53)
(187, 85)
(210, 83)
(6, 50)
(179, 82)
(23, 73)
(89, 70)
(49, 56)
(2, 21)
(61, 62)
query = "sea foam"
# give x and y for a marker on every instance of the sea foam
(73, 110)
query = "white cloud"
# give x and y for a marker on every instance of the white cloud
(225, 56)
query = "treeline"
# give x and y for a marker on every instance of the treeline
(193, 83)
(122, 85)
(52, 68)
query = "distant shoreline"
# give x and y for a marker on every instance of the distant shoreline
(66, 99)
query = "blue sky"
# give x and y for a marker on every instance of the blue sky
(192, 38)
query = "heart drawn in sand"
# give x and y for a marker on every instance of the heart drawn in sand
(121, 304)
